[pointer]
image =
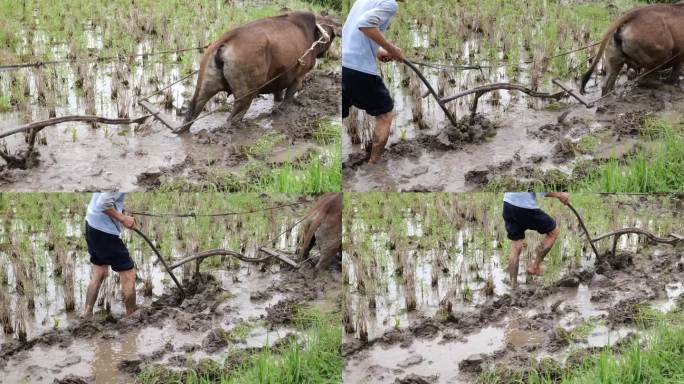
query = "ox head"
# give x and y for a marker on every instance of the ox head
(331, 27)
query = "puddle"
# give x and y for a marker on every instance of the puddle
(423, 357)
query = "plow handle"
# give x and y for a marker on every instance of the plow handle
(159, 256)
(584, 228)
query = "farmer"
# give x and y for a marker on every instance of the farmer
(103, 227)
(362, 87)
(520, 213)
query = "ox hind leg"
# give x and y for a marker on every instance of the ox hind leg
(240, 107)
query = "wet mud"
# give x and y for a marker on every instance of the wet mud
(533, 327)
(77, 157)
(524, 140)
(216, 315)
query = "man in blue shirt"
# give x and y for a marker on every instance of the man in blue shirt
(362, 44)
(520, 213)
(104, 221)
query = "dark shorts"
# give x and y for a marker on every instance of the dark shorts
(364, 91)
(518, 220)
(107, 249)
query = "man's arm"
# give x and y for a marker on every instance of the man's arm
(564, 197)
(107, 202)
(389, 50)
(370, 23)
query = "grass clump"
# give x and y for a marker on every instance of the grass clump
(656, 167)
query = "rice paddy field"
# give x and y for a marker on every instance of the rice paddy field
(514, 141)
(102, 57)
(427, 297)
(240, 322)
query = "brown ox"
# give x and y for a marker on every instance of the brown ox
(323, 226)
(649, 38)
(261, 57)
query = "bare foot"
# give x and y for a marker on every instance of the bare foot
(135, 312)
(86, 316)
(534, 270)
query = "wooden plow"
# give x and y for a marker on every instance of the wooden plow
(672, 238)
(482, 90)
(199, 257)
(159, 115)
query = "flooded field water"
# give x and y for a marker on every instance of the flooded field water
(515, 136)
(83, 157)
(438, 304)
(235, 307)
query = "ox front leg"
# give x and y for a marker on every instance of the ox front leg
(675, 72)
(290, 95)
(278, 96)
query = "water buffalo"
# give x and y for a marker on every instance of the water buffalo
(261, 57)
(323, 226)
(644, 38)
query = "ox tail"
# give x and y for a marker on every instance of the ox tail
(617, 24)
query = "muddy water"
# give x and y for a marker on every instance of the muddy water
(425, 358)
(519, 142)
(100, 356)
(425, 342)
(78, 157)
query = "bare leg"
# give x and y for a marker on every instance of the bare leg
(128, 289)
(97, 276)
(383, 124)
(542, 250)
(513, 262)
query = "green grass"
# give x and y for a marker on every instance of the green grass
(320, 172)
(655, 357)
(5, 105)
(658, 167)
(264, 145)
(314, 358)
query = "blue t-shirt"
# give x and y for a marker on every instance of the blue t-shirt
(523, 199)
(100, 202)
(358, 51)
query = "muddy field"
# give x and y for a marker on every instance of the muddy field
(514, 140)
(442, 310)
(232, 310)
(138, 157)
